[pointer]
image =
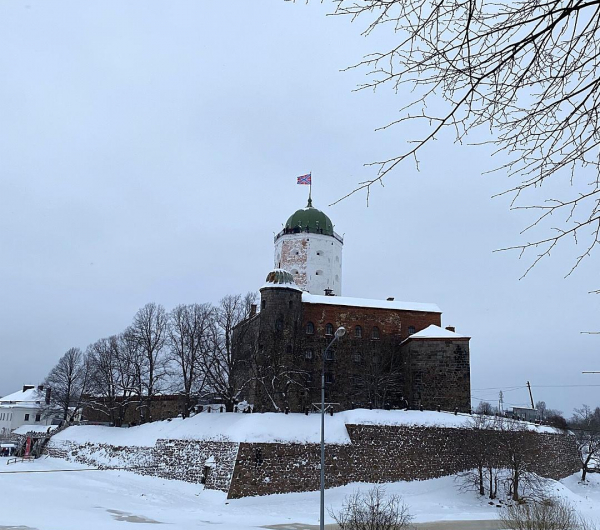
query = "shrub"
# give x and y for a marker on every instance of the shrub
(372, 510)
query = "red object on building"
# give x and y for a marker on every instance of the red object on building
(28, 446)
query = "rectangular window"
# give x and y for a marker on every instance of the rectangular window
(330, 355)
(38, 417)
(328, 377)
(26, 417)
(357, 357)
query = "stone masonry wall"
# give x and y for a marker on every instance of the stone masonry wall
(375, 454)
(381, 454)
(187, 460)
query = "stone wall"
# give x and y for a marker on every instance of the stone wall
(193, 461)
(375, 454)
(383, 454)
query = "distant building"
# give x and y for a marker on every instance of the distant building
(23, 408)
(525, 413)
(394, 354)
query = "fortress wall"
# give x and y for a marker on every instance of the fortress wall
(376, 454)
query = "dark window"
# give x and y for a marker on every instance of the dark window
(375, 359)
(310, 328)
(288, 348)
(279, 324)
(328, 377)
(375, 333)
(357, 357)
(308, 354)
(309, 377)
(358, 332)
(26, 417)
(329, 329)
(329, 355)
(411, 330)
(38, 417)
(263, 304)
(290, 304)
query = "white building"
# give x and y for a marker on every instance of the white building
(311, 251)
(22, 408)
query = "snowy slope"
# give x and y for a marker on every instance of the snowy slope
(268, 427)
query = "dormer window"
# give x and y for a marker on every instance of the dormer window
(411, 330)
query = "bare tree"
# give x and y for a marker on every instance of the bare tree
(149, 332)
(586, 426)
(191, 346)
(221, 365)
(545, 514)
(68, 381)
(527, 72)
(482, 452)
(518, 453)
(372, 510)
(112, 383)
(484, 407)
(380, 377)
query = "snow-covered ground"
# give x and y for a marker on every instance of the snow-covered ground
(107, 500)
(268, 427)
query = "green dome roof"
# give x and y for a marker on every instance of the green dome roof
(316, 221)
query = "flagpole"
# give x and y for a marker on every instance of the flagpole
(310, 187)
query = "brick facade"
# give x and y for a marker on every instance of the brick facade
(377, 364)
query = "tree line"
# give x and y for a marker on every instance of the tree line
(187, 351)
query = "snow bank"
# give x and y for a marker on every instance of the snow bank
(262, 428)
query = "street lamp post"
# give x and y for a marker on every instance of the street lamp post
(339, 333)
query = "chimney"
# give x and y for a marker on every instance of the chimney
(40, 388)
(390, 299)
(451, 328)
(27, 387)
(252, 310)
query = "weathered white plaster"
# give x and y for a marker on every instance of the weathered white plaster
(315, 261)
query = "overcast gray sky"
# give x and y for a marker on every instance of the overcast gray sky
(149, 150)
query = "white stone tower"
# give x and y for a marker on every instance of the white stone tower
(308, 248)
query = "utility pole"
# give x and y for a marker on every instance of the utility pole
(530, 395)
(500, 402)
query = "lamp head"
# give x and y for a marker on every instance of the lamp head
(340, 332)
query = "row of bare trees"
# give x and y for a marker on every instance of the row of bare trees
(187, 351)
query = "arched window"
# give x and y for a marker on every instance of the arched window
(358, 332)
(279, 324)
(330, 355)
(375, 333)
(411, 330)
(308, 354)
(357, 357)
(310, 328)
(329, 329)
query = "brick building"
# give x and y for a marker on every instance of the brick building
(394, 354)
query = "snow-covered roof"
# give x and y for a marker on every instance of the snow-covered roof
(24, 429)
(435, 332)
(369, 302)
(31, 395)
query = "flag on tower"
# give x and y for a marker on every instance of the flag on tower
(304, 179)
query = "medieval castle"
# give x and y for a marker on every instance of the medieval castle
(394, 354)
